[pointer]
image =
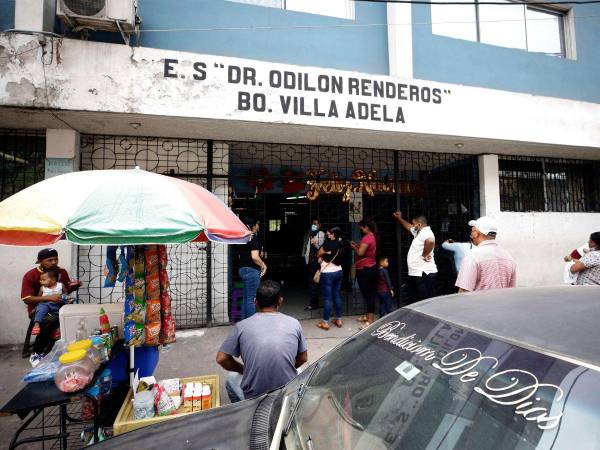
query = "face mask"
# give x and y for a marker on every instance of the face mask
(314, 228)
(414, 229)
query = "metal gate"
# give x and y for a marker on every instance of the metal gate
(22, 156)
(197, 271)
(345, 185)
(443, 186)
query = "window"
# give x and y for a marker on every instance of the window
(528, 27)
(546, 184)
(344, 9)
(22, 160)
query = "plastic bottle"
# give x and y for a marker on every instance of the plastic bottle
(104, 323)
(81, 330)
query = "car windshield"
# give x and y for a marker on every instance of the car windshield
(414, 382)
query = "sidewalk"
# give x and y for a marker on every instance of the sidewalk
(193, 354)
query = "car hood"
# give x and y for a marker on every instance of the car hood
(227, 427)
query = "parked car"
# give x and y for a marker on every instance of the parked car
(505, 369)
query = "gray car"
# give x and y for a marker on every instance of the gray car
(503, 369)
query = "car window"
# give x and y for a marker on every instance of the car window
(415, 382)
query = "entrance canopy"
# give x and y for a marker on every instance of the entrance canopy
(182, 94)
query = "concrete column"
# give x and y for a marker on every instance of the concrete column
(489, 185)
(62, 156)
(400, 55)
(35, 15)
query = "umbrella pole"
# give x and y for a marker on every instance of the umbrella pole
(131, 364)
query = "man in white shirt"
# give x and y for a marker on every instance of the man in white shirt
(422, 270)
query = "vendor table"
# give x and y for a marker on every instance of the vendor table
(34, 398)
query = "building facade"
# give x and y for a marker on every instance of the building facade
(295, 109)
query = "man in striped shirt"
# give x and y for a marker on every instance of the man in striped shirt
(488, 266)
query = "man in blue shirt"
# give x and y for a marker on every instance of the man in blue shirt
(459, 251)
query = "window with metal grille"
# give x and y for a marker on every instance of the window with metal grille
(22, 159)
(548, 184)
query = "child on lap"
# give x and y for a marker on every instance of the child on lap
(50, 286)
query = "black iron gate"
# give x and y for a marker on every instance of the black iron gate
(271, 182)
(197, 271)
(443, 186)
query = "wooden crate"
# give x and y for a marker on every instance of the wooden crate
(126, 422)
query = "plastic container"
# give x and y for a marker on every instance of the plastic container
(93, 352)
(143, 405)
(75, 372)
(98, 343)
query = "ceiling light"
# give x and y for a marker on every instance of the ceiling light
(459, 145)
(135, 125)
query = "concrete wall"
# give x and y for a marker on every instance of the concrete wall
(458, 61)
(115, 78)
(538, 241)
(228, 28)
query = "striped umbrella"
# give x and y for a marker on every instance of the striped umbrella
(117, 207)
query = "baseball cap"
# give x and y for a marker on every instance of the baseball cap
(485, 225)
(47, 253)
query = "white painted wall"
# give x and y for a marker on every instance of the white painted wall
(15, 261)
(400, 51)
(537, 241)
(96, 76)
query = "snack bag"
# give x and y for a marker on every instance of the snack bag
(153, 308)
(167, 332)
(134, 333)
(163, 256)
(165, 304)
(163, 402)
(152, 286)
(152, 334)
(129, 306)
(171, 386)
(164, 280)
(151, 259)
(139, 311)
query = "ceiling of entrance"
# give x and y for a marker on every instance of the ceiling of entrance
(121, 124)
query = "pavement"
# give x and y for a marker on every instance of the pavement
(193, 354)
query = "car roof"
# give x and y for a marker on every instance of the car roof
(563, 321)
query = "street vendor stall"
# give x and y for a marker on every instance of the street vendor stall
(135, 213)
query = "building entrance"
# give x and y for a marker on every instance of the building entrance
(285, 186)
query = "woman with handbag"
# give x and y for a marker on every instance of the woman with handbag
(330, 277)
(366, 268)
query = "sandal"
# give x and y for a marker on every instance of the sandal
(36, 329)
(337, 323)
(323, 325)
(364, 325)
(362, 319)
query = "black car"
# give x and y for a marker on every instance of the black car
(504, 369)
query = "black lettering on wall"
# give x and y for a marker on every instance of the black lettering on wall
(169, 69)
(437, 96)
(199, 67)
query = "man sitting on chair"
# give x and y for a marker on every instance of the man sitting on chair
(30, 290)
(270, 344)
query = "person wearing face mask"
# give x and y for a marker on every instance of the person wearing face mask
(422, 270)
(313, 242)
(588, 267)
(252, 268)
(488, 266)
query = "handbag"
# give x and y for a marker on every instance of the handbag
(317, 277)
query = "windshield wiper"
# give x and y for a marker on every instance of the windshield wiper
(301, 391)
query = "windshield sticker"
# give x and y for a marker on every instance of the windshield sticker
(407, 370)
(516, 388)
